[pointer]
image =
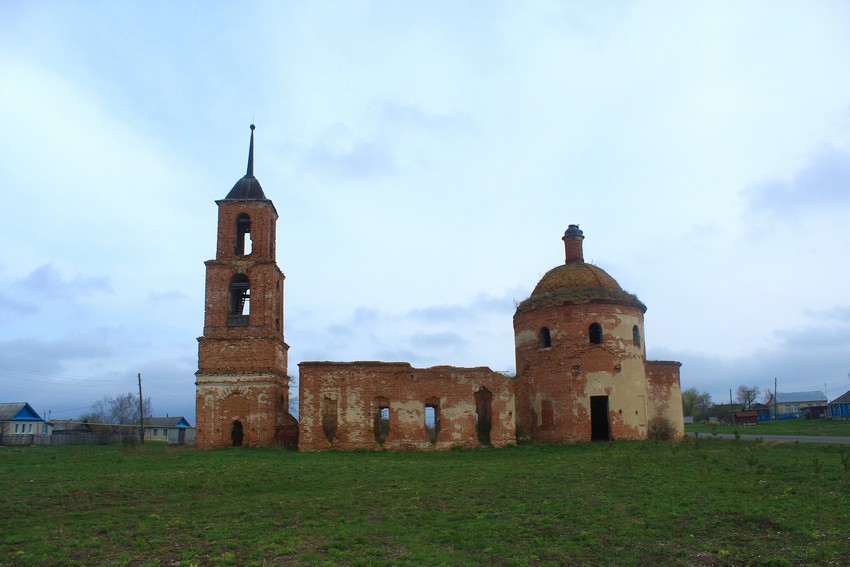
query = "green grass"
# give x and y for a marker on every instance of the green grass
(704, 501)
(809, 427)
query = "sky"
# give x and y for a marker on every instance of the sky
(425, 159)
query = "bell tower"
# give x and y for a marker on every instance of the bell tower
(242, 386)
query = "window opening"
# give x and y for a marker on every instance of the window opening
(240, 300)
(636, 335)
(547, 414)
(381, 420)
(545, 338)
(243, 235)
(595, 333)
(432, 418)
(483, 417)
(329, 419)
(236, 433)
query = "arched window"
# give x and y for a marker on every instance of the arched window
(329, 418)
(595, 333)
(432, 418)
(382, 420)
(236, 433)
(544, 339)
(483, 415)
(636, 335)
(240, 300)
(243, 235)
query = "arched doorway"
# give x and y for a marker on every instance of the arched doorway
(236, 433)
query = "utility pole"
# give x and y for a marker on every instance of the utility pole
(775, 399)
(731, 411)
(141, 412)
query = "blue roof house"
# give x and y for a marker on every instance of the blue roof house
(21, 425)
(173, 430)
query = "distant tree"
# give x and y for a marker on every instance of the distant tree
(704, 403)
(746, 396)
(690, 398)
(767, 396)
(696, 403)
(120, 410)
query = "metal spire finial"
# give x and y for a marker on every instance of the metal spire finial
(250, 172)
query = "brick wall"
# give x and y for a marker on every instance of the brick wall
(665, 392)
(344, 401)
(258, 402)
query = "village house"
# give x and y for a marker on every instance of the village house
(172, 430)
(790, 404)
(840, 407)
(20, 424)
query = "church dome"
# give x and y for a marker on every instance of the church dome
(248, 188)
(577, 282)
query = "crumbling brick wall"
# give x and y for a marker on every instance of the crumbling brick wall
(665, 392)
(259, 403)
(383, 405)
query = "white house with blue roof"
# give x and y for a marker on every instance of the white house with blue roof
(173, 430)
(21, 424)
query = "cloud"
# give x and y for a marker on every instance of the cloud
(804, 358)
(45, 284)
(47, 281)
(399, 115)
(438, 341)
(51, 355)
(481, 304)
(454, 334)
(358, 159)
(157, 298)
(10, 307)
(823, 185)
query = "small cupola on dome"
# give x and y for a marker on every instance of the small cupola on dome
(248, 188)
(572, 244)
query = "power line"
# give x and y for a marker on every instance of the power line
(57, 375)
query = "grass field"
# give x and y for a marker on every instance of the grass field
(701, 502)
(810, 427)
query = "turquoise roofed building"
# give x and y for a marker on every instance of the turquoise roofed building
(20, 424)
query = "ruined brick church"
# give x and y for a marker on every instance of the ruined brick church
(581, 368)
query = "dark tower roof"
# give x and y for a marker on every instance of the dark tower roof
(248, 188)
(577, 282)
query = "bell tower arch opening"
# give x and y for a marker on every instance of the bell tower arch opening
(243, 235)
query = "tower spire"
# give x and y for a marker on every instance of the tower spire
(250, 172)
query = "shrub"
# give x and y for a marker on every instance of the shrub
(660, 429)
